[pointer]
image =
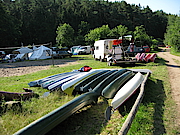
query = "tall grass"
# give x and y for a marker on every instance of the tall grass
(155, 115)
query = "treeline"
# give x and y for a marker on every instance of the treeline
(172, 35)
(37, 21)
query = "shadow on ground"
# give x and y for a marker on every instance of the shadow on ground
(85, 121)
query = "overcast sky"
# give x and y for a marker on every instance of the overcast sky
(168, 6)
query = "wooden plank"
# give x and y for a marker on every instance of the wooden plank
(127, 124)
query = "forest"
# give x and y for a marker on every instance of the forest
(69, 22)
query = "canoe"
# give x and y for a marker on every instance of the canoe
(153, 57)
(137, 56)
(146, 58)
(52, 119)
(92, 84)
(46, 84)
(44, 124)
(142, 57)
(59, 83)
(87, 80)
(37, 83)
(142, 71)
(110, 90)
(55, 77)
(127, 90)
(68, 87)
(98, 88)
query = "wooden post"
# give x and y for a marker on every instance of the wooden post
(127, 124)
(52, 54)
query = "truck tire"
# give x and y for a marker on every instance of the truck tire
(101, 60)
(109, 63)
(94, 57)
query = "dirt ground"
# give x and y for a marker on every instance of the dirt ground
(173, 65)
(26, 67)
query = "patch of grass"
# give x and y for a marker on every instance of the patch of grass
(173, 52)
(155, 114)
(13, 120)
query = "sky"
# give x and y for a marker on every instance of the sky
(168, 6)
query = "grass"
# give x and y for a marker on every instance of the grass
(175, 52)
(155, 114)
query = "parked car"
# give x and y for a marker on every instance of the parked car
(84, 50)
(161, 45)
(75, 50)
(62, 54)
(2, 54)
(146, 48)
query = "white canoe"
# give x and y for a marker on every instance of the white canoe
(69, 86)
(127, 90)
(62, 81)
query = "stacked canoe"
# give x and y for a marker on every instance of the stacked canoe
(104, 82)
(145, 57)
(81, 82)
(114, 84)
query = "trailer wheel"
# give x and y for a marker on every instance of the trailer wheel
(101, 60)
(109, 63)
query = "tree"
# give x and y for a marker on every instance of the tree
(97, 34)
(141, 37)
(83, 29)
(36, 21)
(118, 31)
(65, 35)
(172, 36)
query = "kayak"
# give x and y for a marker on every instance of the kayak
(152, 58)
(98, 88)
(44, 124)
(87, 80)
(127, 90)
(110, 90)
(142, 57)
(37, 83)
(59, 83)
(146, 58)
(137, 56)
(92, 84)
(68, 87)
(46, 84)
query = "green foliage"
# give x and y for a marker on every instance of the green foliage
(140, 36)
(118, 31)
(32, 21)
(155, 44)
(65, 34)
(83, 29)
(172, 35)
(9, 29)
(98, 33)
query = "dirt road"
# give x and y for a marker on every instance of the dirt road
(173, 65)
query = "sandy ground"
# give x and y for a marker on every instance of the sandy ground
(173, 65)
(26, 67)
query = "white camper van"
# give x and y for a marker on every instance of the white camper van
(102, 48)
(84, 50)
(75, 50)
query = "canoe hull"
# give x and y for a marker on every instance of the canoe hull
(127, 90)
